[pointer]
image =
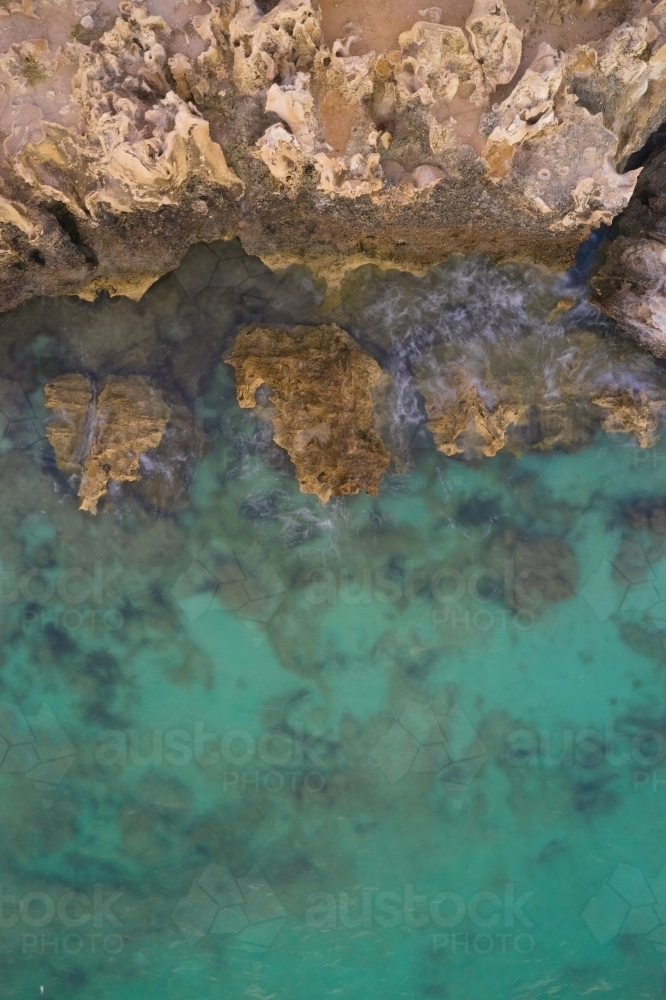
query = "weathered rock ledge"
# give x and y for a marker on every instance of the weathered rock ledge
(630, 283)
(129, 136)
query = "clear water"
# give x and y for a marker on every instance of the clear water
(426, 754)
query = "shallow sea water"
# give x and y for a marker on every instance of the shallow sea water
(414, 748)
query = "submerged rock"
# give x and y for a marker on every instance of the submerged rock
(127, 138)
(467, 416)
(647, 514)
(537, 571)
(544, 391)
(631, 413)
(101, 437)
(321, 389)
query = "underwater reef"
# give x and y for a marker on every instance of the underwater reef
(394, 138)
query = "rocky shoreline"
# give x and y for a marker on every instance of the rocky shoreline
(628, 283)
(140, 133)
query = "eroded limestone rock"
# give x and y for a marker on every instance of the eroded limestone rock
(527, 409)
(630, 284)
(467, 416)
(69, 396)
(631, 413)
(320, 385)
(101, 437)
(151, 127)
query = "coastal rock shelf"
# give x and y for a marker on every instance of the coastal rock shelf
(469, 359)
(371, 619)
(130, 133)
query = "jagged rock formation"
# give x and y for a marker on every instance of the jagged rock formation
(101, 437)
(466, 416)
(631, 413)
(126, 138)
(630, 283)
(321, 394)
(531, 410)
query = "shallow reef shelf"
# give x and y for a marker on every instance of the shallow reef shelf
(405, 745)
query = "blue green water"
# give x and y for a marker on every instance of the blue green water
(425, 753)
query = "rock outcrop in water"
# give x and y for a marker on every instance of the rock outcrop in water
(525, 408)
(466, 420)
(126, 138)
(101, 437)
(321, 394)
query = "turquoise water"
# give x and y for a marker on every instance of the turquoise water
(417, 750)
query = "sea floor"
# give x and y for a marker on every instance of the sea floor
(414, 747)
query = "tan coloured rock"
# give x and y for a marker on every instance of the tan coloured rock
(622, 76)
(69, 396)
(516, 405)
(102, 437)
(124, 156)
(320, 386)
(496, 41)
(395, 157)
(469, 417)
(631, 413)
(437, 61)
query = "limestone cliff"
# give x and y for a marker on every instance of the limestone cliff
(130, 133)
(320, 391)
